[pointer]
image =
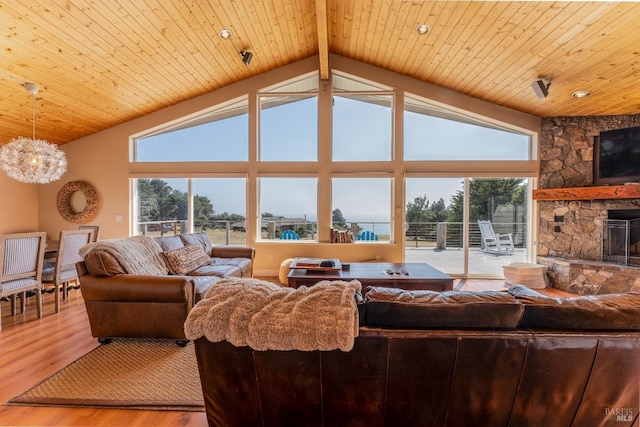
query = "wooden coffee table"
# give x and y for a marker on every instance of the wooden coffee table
(409, 276)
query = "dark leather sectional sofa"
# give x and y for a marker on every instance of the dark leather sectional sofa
(515, 358)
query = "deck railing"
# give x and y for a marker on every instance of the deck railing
(451, 234)
(418, 234)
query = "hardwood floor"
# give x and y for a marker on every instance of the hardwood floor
(32, 349)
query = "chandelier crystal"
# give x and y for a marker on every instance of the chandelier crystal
(31, 160)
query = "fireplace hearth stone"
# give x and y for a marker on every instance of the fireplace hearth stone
(591, 277)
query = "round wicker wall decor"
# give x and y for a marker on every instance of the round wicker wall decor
(64, 202)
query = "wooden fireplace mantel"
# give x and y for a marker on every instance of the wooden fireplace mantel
(589, 193)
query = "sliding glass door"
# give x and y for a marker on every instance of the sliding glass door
(441, 224)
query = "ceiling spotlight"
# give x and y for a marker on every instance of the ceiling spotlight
(541, 88)
(225, 34)
(581, 94)
(246, 57)
(423, 29)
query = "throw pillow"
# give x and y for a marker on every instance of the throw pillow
(102, 263)
(200, 239)
(184, 260)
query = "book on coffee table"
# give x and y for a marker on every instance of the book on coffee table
(319, 264)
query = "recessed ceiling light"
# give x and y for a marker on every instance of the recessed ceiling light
(225, 34)
(423, 29)
(581, 93)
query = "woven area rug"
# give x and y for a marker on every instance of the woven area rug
(134, 374)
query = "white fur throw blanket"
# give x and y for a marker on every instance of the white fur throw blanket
(137, 254)
(265, 316)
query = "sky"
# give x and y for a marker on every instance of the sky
(362, 132)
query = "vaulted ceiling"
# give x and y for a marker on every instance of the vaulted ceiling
(99, 63)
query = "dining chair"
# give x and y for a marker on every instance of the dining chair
(21, 259)
(63, 270)
(95, 228)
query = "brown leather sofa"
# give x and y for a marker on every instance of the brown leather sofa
(447, 359)
(120, 304)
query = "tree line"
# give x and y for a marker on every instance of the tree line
(161, 202)
(484, 196)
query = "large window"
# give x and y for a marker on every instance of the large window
(220, 135)
(289, 121)
(434, 222)
(362, 128)
(362, 120)
(432, 133)
(215, 206)
(441, 222)
(296, 161)
(503, 202)
(288, 209)
(363, 206)
(220, 209)
(162, 206)
(289, 128)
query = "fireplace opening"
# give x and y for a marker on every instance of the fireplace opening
(621, 237)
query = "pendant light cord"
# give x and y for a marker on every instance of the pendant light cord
(31, 88)
(33, 115)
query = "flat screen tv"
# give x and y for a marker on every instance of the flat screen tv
(616, 157)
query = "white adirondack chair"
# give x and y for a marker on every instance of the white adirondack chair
(493, 243)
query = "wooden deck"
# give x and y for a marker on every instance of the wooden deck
(451, 261)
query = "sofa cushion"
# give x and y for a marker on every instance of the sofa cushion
(101, 263)
(244, 265)
(398, 308)
(170, 243)
(200, 239)
(187, 259)
(216, 270)
(203, 283)
(593, 312)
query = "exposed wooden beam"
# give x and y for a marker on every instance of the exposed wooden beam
(323, 38)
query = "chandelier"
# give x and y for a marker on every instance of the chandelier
(32, 160)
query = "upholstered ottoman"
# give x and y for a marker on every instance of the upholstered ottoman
(284, 271)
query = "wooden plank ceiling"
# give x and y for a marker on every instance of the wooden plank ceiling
(102, 62)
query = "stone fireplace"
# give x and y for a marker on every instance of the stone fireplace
(573, 240)
(572, 235)
(621, 237)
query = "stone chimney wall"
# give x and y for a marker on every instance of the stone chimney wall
(572, 230)
(566, 147)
